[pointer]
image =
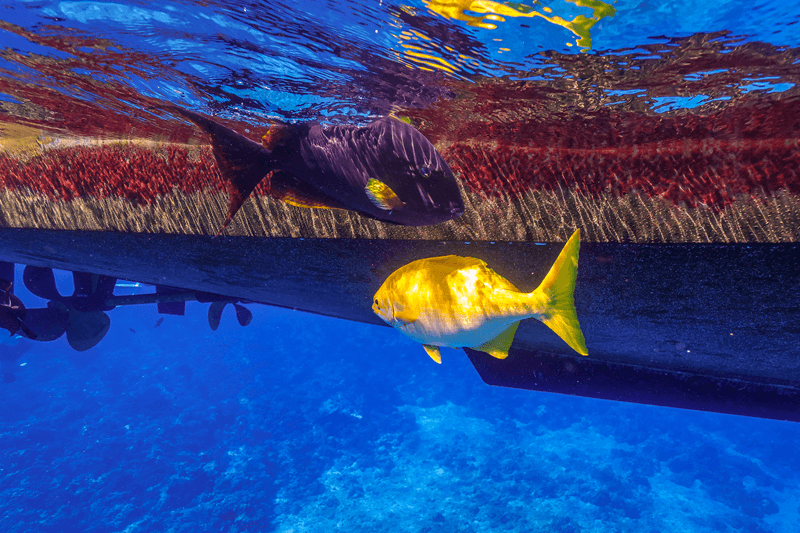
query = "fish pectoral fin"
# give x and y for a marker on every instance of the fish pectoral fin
(301, 202)
(499, 346)
(382, 195)
(434, 352)
(298, 200)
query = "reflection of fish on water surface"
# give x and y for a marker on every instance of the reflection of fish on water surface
(459, 302)
(386, 170)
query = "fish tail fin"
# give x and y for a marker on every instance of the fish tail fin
(559, 287)
(242, 162)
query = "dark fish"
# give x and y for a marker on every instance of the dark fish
(12, 311)
(386, 170)
(159, 321)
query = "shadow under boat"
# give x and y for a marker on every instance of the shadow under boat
(705, 327)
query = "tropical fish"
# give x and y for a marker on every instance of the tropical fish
(386, 170)
(459, 302)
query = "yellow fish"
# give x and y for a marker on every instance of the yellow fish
(460, 302)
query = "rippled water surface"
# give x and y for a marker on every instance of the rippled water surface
(93, 68)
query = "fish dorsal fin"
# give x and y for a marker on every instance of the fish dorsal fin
(434, 352)
(382, 195)
(499, 346)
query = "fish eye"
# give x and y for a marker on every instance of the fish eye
(376, 303)
(425, 171)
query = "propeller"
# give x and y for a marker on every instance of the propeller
(49, 322)
(86, 329)
(81, 316)
(243, 314)
(41, 282)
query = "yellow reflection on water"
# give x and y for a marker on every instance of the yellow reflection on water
(487, 13)
(419, 51)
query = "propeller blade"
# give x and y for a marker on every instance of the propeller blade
(215, 314)
(48, 323)
(243, 314)
(85, 330)
(41, 282)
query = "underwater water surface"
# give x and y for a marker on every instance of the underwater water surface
(303, 423)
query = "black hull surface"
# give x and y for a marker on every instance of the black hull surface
(707, 327)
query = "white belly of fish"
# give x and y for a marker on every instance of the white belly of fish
(455, 331)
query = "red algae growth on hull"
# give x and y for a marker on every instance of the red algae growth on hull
(695, 163)
(678, 121)
(154, 187)
(134, 173)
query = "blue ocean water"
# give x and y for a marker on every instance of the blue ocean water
(301, 423)
(305, 423)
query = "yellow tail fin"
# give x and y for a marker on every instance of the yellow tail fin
(559, 286)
